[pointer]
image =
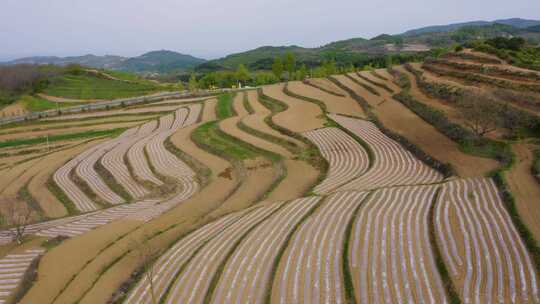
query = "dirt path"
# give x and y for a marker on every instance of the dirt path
(400, 119)
(70, 100)
(16, 108)
(334, 104)
(209, 111)
(300, 117)
(525, 188)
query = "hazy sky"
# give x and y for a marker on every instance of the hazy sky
(213, 28)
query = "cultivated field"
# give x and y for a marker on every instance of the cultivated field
(365, 187)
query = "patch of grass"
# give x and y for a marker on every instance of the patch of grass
(92, 87)
(224, 107)
(61, 196)
(25, 195)
(38, 104)
(212, 139)
(203, 172)
(27, 281)
(400, 78)
(61, 137)
(247, 105)
(535, 168)
(54, 242)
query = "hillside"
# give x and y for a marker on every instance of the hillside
(155, 61)
(378, 186)
(514, 22)
(102, 62)
(160, 62)
(359, 51)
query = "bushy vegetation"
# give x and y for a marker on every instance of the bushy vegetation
(514, 50)
(481, 79)
(488, 70)
(535, 169)
(24, 79)
(469, 142)
(519, 122)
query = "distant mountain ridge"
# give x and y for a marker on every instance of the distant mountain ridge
(156, 61)
(515, 22)
(354, 50)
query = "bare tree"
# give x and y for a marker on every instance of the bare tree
(146, 255)
(18, 216)
(481, 113)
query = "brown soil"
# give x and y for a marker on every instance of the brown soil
(400, 119)
(71, 100)
(67, 124)
(143, 110)
(525, 188)
(256, 121)
(41, 133)
(209, 110)
(328, 85)
(61, 263)
(300, 117)
(13, 110)
(334, 104)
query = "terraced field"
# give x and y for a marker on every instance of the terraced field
(323, 191)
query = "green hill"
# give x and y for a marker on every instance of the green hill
(160, 62)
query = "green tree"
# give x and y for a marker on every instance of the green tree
(302, 72)
(193, 85)
(242, 74)
(277, 68)
(329, 67)
(289, 63)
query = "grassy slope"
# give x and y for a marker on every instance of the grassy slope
(91, 87)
